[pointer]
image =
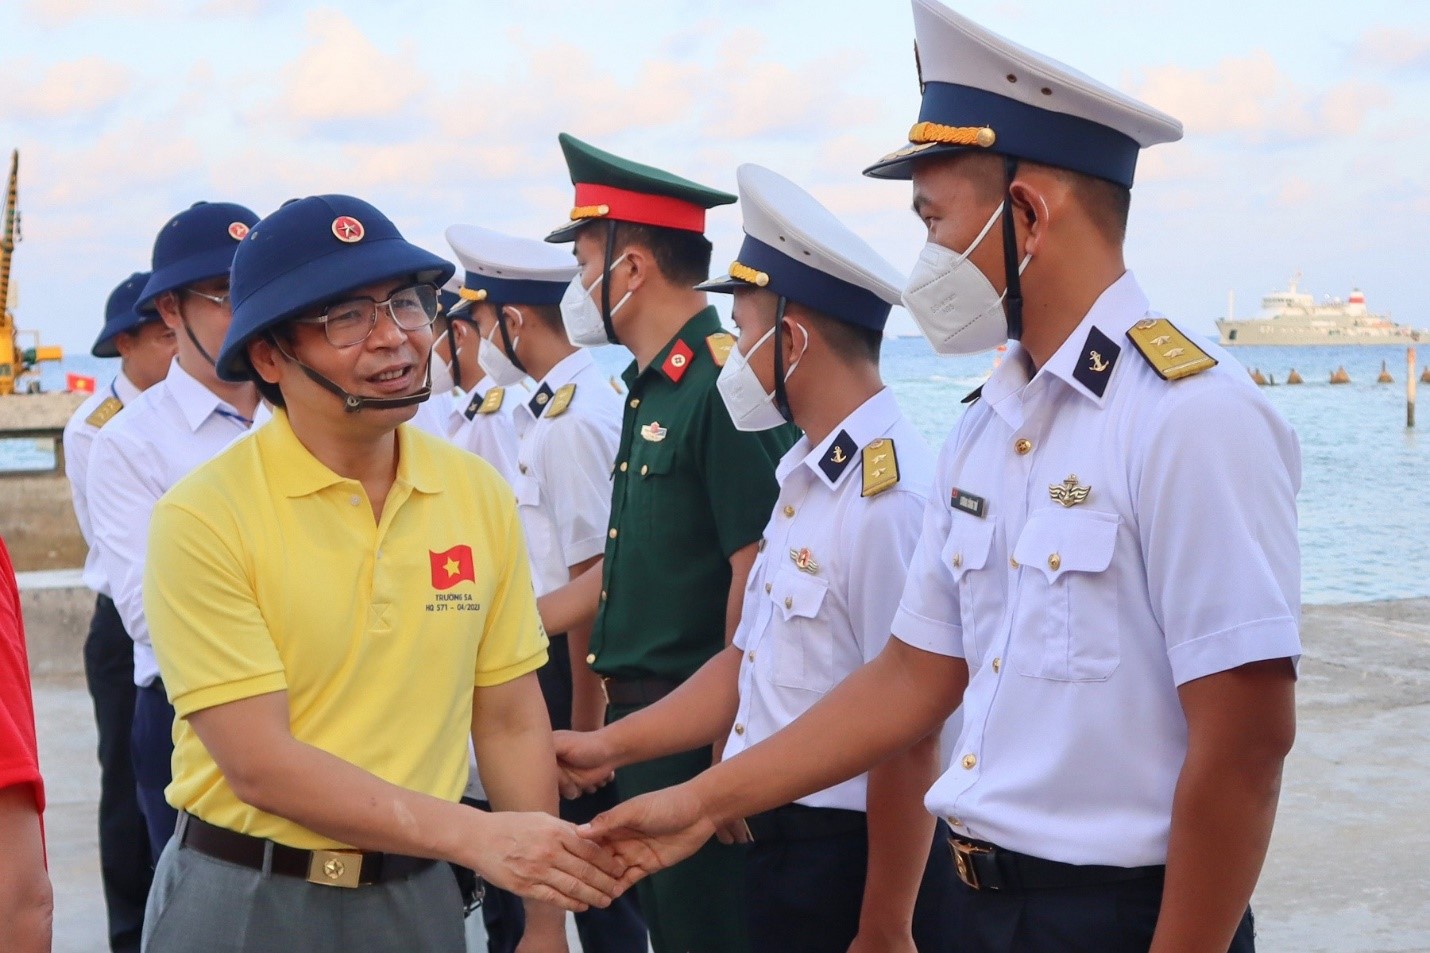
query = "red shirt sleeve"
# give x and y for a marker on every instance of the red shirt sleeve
(19, 753)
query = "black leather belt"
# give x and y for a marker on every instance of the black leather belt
(638, 691)
(800, 822)
(331, 868)
(984, 866)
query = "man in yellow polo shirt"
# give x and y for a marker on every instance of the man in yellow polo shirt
(336, 602)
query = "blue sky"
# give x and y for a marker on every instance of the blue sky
(1308, 131)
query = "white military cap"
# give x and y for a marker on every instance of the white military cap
(986, 93)
(505, 269)
(796, 248)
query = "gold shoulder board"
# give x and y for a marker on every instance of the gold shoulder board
(881, 467)
(493, 401)
(1170, 352)
(720, 343)
(102, 414)
(560, 401)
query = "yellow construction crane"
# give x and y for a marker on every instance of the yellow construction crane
(15, 361)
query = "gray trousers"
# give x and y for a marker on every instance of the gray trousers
(202, 905)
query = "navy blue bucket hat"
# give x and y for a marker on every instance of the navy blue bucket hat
(197, 244)
(306, 254)
(121, 313)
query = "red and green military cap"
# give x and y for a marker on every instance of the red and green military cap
(609, 188)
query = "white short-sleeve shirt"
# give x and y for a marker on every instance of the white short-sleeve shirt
(1080, 616)
(157, 439)
(563, 473)
(78, 442)
(491, 435)
(826, 581)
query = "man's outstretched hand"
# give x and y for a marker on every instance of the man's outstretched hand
(654, 831)
(543, 858)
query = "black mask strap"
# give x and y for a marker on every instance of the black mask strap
(352, 403)
(606, 282)
(781, 398)
(184, 320)
(1013, 299)
(454, 363)
(510, 348)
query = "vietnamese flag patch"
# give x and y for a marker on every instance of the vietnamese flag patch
(452, 566)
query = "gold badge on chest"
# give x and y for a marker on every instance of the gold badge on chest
(1069, 492)
(803, 560)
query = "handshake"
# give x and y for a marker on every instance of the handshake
(552, 861)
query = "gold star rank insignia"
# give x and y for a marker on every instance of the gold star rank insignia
(720, 344)
(105, 412)
(560, 401)
(489, 404)
(881, 467)
(1170, 352)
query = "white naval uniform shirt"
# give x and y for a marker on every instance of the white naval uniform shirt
(1079, 622)
(563, 478)
(803, 630)
(162, 435)
(490, 436)
(78, 441)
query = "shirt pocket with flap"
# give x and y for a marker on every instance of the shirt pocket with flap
(655, 487)
(804, 651)
(1065, 626)
(966, 552)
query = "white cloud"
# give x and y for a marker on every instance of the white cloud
(342, 75)
(53, 13)
(72, 90)
(1392, 48)
(134, 156)
(1250, 99)
(1296, 192)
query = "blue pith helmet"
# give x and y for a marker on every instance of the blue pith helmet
(122, 314)
(195, 245)
(306, 254)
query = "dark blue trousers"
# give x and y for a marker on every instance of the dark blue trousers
(125, 864)
(1097, 918)
(804, 895)
(153, 746)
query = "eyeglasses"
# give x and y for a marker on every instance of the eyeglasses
(349, 322)
(221, 300)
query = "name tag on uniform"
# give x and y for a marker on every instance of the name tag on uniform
(965, 502)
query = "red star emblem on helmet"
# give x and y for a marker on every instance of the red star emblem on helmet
(347, 229)
(237, 231)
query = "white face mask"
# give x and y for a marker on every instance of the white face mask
(582, 315)
(494, 360)
(750, 408)
(442, 382)
(953, 303)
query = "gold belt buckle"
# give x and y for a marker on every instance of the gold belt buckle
(963, 861)
(335, 868)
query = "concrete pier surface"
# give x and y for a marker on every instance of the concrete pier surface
(1348, 869)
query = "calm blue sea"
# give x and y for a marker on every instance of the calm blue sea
(1365, 520)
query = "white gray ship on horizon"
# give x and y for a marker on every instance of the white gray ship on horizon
(1294, 317)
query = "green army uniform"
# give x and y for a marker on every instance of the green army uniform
(689, 490)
